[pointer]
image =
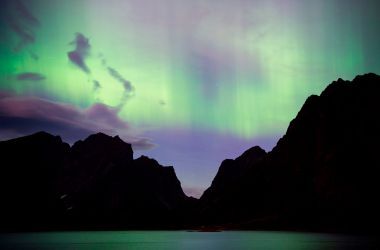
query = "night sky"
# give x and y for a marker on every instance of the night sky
(187, 82)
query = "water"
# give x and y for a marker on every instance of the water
(156, 240)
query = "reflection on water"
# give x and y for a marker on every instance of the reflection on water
(131, 240)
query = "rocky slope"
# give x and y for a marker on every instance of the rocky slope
(323, 173)
(95, 184)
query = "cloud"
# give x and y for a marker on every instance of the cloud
(129, 89)
(126, 84)
(22, 22)
(79, 54)
(142, 144)
(105, 116)
(22, 115)
(30, 76)
(34, 56)
(97, 85)
(102, 60)
(25, 14)
(26, 36)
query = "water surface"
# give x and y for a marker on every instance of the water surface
(156, 240)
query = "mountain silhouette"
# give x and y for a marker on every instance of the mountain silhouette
(95, 184)
(323, 174)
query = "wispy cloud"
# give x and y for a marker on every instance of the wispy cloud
(26, 36)
(30, 76)
(81, 51)
(97, 85)
(21, 115)
(22, 22)
(25, 14)
(128, 88)
(78, 57)
(34, 56)
(142, 144)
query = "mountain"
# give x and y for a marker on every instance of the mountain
(229, 173)
(95, 184)
(30, 167)
(323, 174)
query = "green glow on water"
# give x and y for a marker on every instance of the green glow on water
(132, 240)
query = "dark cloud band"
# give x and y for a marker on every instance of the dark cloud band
(30, 76)
(21, 115)
(80, 53)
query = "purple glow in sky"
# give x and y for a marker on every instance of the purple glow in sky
(189, 83)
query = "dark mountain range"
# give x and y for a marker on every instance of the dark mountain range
(95, 184)
(323, 173)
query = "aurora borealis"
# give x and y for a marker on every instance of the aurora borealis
(189, 83)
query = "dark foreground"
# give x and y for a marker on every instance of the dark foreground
(156, 240)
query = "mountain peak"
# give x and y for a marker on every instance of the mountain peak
(254, 152)
(367, 77)
(323, 173)
(146, 161)
(41, 138)
(100, 137)
(43, 135)
(94, 184)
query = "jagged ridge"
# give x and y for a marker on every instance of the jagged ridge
(95, 184)
(322, 174)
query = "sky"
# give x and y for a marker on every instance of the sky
(187, 82)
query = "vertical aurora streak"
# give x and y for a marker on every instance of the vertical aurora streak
(236, 71)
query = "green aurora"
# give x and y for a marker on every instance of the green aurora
(185, 69)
